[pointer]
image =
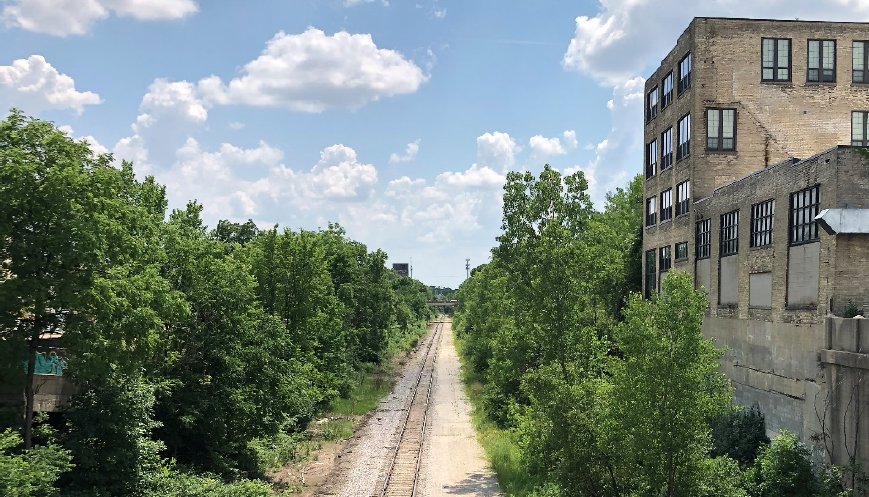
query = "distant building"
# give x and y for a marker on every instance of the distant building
(781, 111)
(401, 268)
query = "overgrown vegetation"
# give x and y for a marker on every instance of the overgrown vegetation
(585, 389)
(198, 355)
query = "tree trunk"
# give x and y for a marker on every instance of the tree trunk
(28, 388)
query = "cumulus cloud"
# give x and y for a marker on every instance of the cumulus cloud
(77, 17)
(546, 146)
(570, 138)
(409, 153)
(312, 72)
(497, 150)
(34, 85)
(476, 176)
(95, 146)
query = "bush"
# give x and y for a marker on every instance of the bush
(739, 434)
(29, 473)
(173, 483)
(784, 469)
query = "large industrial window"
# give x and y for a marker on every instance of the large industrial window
(651, 210)
(667, 90)
(685, 73)
(804, 208)
(666, 149)
(651, 279)
(730, 233)
(859, 137)
(667, 204)
(703, 240)
(721, 129)
(651, 158)
(683, 197)
(682, 251)
(652, 104)
(684, 137)
(762, 217)
(860, 62)
(666, 261)
(776, 55)
(822, 61)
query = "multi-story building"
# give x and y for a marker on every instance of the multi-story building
(778, 111)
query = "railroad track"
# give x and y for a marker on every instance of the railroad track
(403, 473)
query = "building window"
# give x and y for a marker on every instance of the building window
(667, 90)
(730, 233)
(667, 204)
(652, 104)
(804, 208)
(859, 136)
(822, 61)
(683, 197)
(703, 239)
(651, 280)
(681, 251)
(684, 137)
(666, 149)
(651, 211)
(860, 62)
(684, 73)
(666, 261)
(721, 129)
(762, 216)
(651, 158)
(776, 54)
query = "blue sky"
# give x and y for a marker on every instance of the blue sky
(398, 120)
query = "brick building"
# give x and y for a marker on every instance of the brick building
(778, 111)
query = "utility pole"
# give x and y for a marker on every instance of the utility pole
(467, 268)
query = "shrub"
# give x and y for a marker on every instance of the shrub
(739, 434)
(29, 473)
(784, 469)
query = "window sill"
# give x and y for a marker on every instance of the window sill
(666, 221)
(806, 242)
(807, 307)
(760, 307)
(681, 261)
(760, 248)
(820, 83)
(776, 83)
(728, 255)
(720, 152)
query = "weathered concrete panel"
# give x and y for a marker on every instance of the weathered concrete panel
(760, 289)
(804, 264)
(704, 275)
(728, 292)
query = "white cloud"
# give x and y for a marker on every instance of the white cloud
(34, 85)
(409, 153)
(439, 13)
(570, 138)
(497, 150)
(95, 146)
(77, 17)
(236, 125)
(476, 176)
(312, 72)
(353, 3)
(178, 101)
(546, 146)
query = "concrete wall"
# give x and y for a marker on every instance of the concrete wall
(803, 267)
(760, 290)
(728, 281)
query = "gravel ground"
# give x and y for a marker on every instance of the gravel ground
(363, 465)
(453, 461)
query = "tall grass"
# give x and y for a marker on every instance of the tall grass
(501, 446)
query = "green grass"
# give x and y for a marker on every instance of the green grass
(501, 446)
(337, 429)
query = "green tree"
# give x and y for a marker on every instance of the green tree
(74, 231)
(31, 472)
(668, 387)
(784, 469)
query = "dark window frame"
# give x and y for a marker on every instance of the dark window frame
(683, 149)
(864, 141)
(665, 260)
(667, 211)
(684, 76)
(652, 110)
(683, 248)
(666, 157)
(703, 239)
(667, 96)
(729, 230)
(762, 223)
(651, 158)
(864, 73)
(804, 205)
(683, 205)
(821, 76)
(651, 275)
(775, 67)
(719, 143)
(651, 211)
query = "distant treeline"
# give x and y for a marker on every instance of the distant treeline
(189, 348)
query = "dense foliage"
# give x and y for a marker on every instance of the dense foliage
(604, 393)
(188, 347)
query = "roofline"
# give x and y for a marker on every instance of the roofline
(780, 20)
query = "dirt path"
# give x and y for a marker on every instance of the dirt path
(453, 462)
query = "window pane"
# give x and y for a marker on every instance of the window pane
(829, 51)
(814, 54)
(768, 54)
(767, 73)
(857, 126)
(784, 53)
(857, 55)
(727, 118)
(712, 120)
